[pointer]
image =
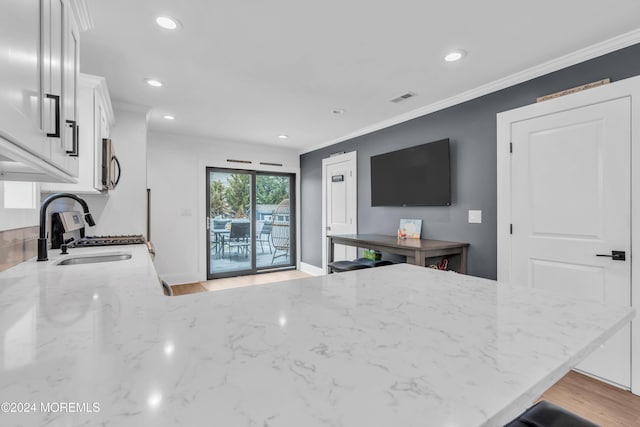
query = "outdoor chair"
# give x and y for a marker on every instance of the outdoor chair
(280, 230)
(239, 237)
(265, 236)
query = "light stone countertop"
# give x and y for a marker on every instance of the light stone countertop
(391, 346)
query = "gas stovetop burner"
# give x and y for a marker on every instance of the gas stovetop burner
(132, 239)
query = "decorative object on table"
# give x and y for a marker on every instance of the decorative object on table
(442, 265)
(410, 228)
(371, 254)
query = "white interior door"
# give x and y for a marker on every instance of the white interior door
(340, 202)
(571, 201)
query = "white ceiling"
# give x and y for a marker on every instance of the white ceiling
(250, 70)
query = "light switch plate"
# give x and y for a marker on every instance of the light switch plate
(475, 217)
(185, 212)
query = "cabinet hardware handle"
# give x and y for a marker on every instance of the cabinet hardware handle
(74, 138)
(56, 99)
(115, 159)
(616, 255)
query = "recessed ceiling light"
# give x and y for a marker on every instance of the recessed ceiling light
(283, 136)
(339, 111)
(167, 22)
(455, 55)
(168, 117)
(154, 82)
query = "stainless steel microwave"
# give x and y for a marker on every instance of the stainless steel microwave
(111, 170)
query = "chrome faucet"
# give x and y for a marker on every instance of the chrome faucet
(42, 240)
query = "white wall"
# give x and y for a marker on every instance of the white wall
(177, 178)
(124, 210)
(10, 219)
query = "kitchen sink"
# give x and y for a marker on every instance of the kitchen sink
(94, 258)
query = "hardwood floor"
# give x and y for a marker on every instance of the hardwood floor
(187, 288)
(237, 282)
(594, 400)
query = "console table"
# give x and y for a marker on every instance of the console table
(416, 250)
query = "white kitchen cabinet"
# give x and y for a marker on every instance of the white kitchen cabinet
(61, 67)
(52, 61)
(70, 74)
(39, 59)
(95, 113)
(20, 93)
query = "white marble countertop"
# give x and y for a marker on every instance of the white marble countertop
(391, 346)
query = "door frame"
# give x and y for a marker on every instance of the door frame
(624, 88)
(254, 269)
(351, 157)
(252, 199)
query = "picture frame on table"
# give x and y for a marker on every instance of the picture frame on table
(410, 229)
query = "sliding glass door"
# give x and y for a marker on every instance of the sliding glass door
(274, 221)
(251, 222)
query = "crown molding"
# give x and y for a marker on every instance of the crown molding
(82, 15)
(99, 84)
(582, 55)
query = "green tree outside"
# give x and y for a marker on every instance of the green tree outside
(233, 197)
(218, 206)
(237, 195)
(271, 190)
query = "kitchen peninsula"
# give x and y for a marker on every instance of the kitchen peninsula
(399, 345)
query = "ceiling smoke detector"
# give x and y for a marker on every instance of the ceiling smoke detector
(403, 97)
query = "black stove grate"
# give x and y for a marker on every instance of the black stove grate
(132, 239)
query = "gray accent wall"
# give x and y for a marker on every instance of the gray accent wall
(471, 128)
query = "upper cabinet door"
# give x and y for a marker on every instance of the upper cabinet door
(20, 90)
(53, 60)
(70, 74)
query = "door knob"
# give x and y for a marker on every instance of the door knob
(616, 255)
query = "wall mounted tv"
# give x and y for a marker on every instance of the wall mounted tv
(414, 176)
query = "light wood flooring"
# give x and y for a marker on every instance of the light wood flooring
(237, 282)
(594, 400)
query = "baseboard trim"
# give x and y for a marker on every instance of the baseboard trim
(311, 269)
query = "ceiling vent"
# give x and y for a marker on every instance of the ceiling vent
(403, 97)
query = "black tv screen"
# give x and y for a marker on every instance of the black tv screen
(415, 176)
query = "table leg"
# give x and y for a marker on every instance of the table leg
(421, 259)
(330, 251)
(463, 261)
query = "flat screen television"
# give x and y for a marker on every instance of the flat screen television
(414, 176)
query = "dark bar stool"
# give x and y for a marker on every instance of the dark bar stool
(341, 266)
(545, 414)
(371, 263)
